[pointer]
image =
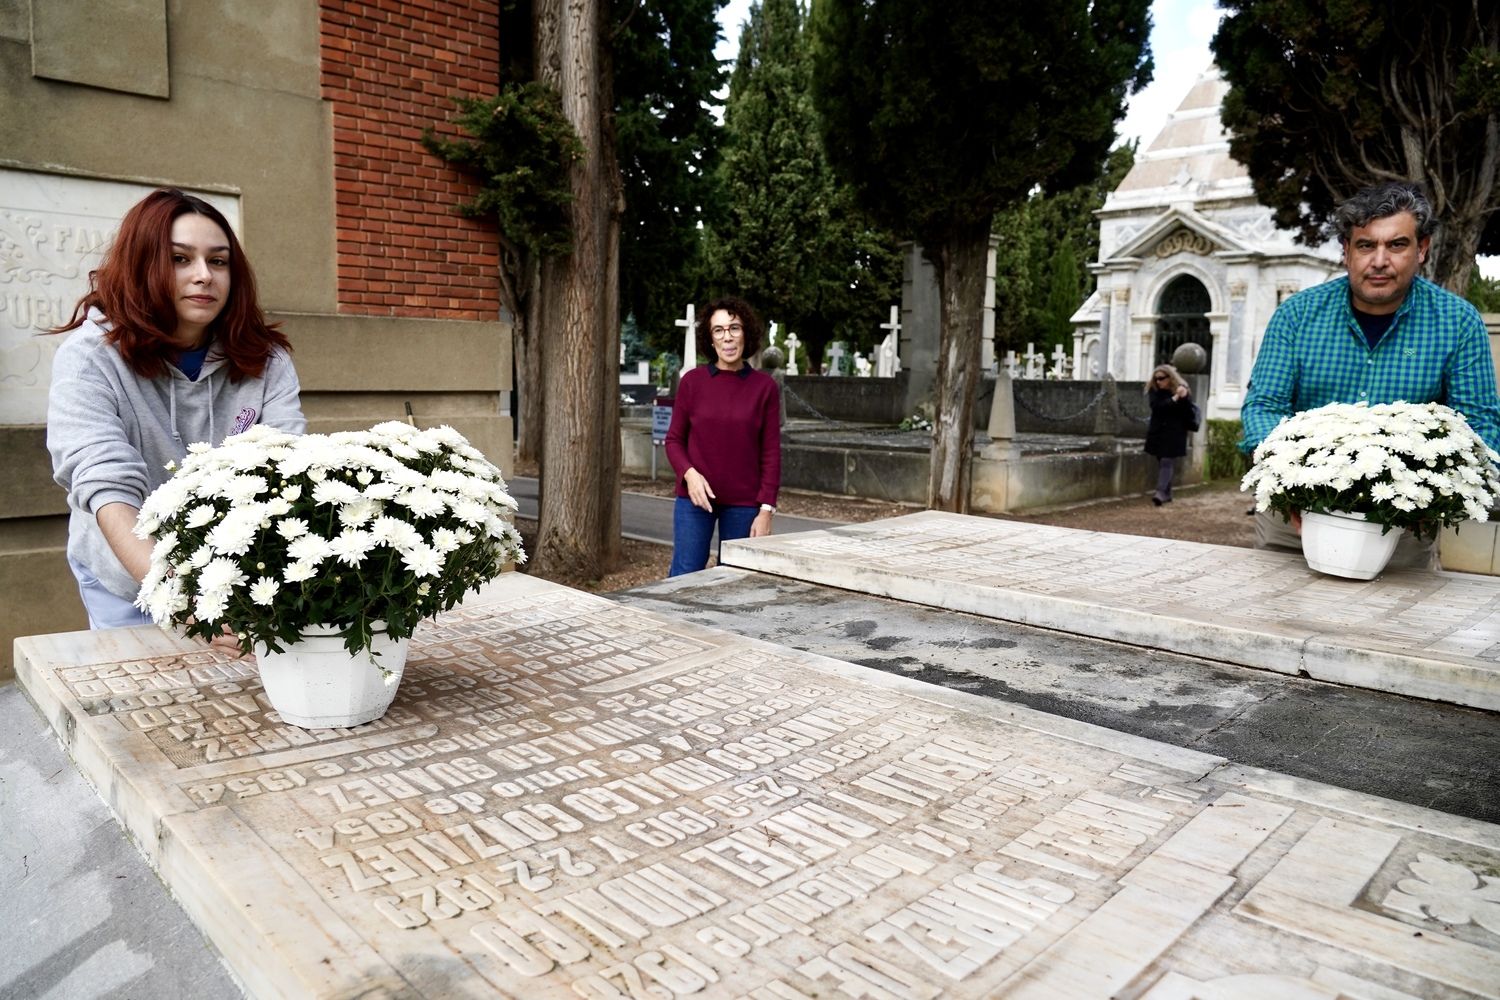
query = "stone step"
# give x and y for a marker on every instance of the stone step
(1411, 632)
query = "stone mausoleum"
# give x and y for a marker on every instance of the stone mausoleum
(302, 122)
(1186, 253)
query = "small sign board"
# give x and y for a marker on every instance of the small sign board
(661, 419)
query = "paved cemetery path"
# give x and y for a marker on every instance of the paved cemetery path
(647, 518)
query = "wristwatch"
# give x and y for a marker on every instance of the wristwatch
(768, 508)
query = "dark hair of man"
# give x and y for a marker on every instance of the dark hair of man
(135, 288)
(1381, 201)
(738, 309)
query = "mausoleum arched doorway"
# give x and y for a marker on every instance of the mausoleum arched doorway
(1182, 317)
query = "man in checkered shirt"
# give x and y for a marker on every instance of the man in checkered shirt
(1377, 335)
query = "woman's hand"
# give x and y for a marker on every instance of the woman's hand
(698, 489)
(1181, 392)
(228, 643)
(761, 526)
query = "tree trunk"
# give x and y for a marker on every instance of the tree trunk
(579, 328)
(1451, 258)
(960, 264)
(529, 366)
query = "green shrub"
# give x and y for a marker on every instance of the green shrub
(1223, 459)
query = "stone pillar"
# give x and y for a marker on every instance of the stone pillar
(1107, 416)
(1002, 426)
(921, 329)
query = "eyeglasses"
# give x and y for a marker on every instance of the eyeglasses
(732, 330)
(1162, 378)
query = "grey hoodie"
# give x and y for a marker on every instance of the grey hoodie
(111, 433)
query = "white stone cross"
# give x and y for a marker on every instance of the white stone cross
(1059, 362)
(1011, 367)
(1035, 362)
(689, 323)
(893, 327)
(833, 359)
(792, 343)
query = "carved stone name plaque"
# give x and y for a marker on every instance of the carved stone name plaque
(575, 799)
(1410, 632)
(54, 229)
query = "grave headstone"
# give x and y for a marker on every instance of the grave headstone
(833, 358)
(862, 366)
(1060, 363)
(1012, 365)
(792, 343)
(689, 323)
(888, 354)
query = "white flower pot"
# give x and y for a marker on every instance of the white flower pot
(317, 683)
(1344, 544)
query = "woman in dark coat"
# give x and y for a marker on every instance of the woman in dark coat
(1172, 416)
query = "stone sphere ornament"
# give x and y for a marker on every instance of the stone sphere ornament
(1190, 359)
(772, 358)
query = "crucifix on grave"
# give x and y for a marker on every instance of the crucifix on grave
(792, 343)
(833, 359)
(1011, 367)
(888, 354)
(1060, 363)
(1035, 362)
(689, 323)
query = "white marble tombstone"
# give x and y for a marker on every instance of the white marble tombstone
(54, 230)
(833, 359)
(792, 343)
(1060, 361)
(689, 325)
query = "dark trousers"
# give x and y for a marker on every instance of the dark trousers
(693, 529)
(1164, 469)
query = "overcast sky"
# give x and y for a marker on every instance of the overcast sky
(1180, 33)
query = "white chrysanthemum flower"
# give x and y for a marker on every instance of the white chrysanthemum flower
(395, 533)
(422, 560)
(445, 540)
(334, 492)
(163, 548)
(278, 507)
(201, 515)
(422, 502)
(200, 558)
(382, 491)
(309, 549)
(242, 489)
(470, 512)
(234, 534)
(298, 571)
(361, 512)
(291, 528)
(220, 575)
(263, 591)
(350, 546)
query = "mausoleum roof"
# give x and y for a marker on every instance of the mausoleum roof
(1188, 160)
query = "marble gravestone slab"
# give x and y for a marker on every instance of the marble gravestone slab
(571, 798)
(1428, 635)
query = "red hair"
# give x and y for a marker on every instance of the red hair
(135, 288)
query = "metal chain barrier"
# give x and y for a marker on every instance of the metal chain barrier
(787, 388)
(1053, 417)
(1120, 409)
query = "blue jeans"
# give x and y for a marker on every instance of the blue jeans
(105, 609)
(693, 528)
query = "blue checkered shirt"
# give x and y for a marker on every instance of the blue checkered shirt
(1314, 353)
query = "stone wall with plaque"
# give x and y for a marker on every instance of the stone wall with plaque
(571, 798)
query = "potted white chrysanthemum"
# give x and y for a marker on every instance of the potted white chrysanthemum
(1360, 474)
(321, 553)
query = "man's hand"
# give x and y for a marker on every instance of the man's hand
(1296, 520)
(698, 490)
(761, 526)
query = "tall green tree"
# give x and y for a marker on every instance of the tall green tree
(941, 113)
(1327, 96)
(792, 240)
(665, 77)
(1033, 234)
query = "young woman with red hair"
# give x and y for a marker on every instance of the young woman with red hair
(170, 348)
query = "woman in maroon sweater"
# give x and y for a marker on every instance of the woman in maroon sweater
(725, 439)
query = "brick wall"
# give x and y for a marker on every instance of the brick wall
(390, 68)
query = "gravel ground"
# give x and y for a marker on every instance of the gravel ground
(1212, 513)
